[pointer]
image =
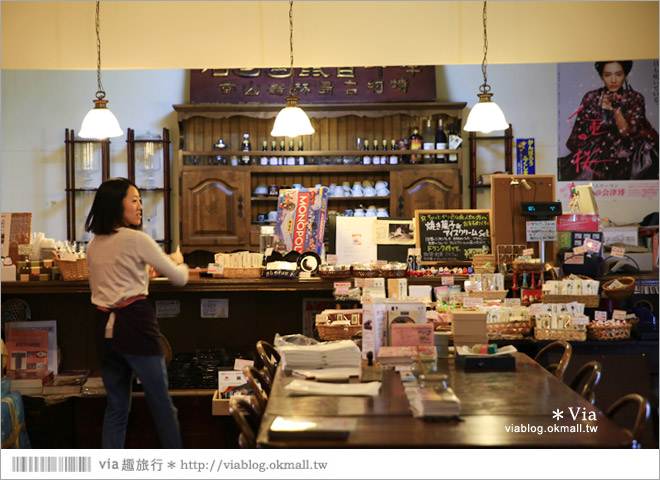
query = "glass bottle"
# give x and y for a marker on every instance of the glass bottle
(415, 145)
(375, 159)
(301, 158)
(455, 139)
(246, 147)
(263, 160)
(394, 158)
(291, 160)
(366, 159)
(280, 159)
(219, 159)
(429, 142)
(359, 148)
(440, 143)
(273, 157)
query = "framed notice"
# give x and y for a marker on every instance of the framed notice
(452, 236)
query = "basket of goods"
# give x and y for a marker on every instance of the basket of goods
(334, 271)
(609, 330)
(71, 268)
(511, 328)
(365, 270)
(339, 324)
(394, 270)
(532, 265)
(619, 288)
(489, 294)
(569, 334)
(229, 272)
(483, 263)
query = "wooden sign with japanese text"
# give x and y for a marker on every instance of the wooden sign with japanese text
(313, 85)
(452, 236)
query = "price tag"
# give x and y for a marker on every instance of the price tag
(239, 363)
(331, 258)
(600, 315)
(618, 252)
(580, 320)
(359, 282)
(305, 275)
(414, 252)
(535, 308)
(341, 288)
(469, 302)
(447, 280)
(511, 302)
(592, 245)
(26, 249)
(268, 252)
(528, 251)
(619, 314)
(572, 259)
(366, 299)
(212, 268)
(580, 250)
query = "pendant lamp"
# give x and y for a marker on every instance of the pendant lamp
(486, 116)
(291, 121)
(100, 122)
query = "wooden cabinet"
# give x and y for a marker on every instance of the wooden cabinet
(220, 209)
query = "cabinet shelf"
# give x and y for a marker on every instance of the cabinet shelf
(282, 169)
(310, 153)
(330, 199)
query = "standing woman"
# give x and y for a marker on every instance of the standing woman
(127, 331)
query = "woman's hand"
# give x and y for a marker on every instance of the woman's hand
(609, 100)
(177, 256)
(152, 272)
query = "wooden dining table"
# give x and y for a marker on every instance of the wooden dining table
(525, 408)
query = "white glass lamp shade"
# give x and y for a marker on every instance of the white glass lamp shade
(486, 116)
(100, 123)
(292, 121)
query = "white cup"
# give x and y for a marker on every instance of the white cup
(382, 212)
(369, 192)
(338, 191)
(358, 212)
(357, 190)
(381, 184)
(272, 216)
(383, 192)
(371, 212)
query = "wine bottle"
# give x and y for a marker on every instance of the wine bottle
(394, 158)
(246, 147)
(429, 142)
(301, 159)
(454, 143)
(281, 160)
(273, 156)
(291, 160)
(440, 142)
(375, 159)
(263, 160)
(366, 159)
(415, 145)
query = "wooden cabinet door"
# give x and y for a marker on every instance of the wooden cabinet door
(424, 189)
(214, 207)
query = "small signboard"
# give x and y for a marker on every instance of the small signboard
(541, 231)
(525, 156)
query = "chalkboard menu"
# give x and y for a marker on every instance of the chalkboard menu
(452, 236)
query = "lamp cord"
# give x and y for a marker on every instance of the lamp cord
(485, 88)
(291, 45)
(100, 94)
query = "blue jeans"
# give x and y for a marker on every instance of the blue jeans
(117, 372)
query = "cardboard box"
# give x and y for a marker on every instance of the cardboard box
(404, 334)
(468, 323)
(219, 406)
(420, 291)
(374, 327)
(397, 288)
(8, 273)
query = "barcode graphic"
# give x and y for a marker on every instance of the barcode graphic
(51, 464)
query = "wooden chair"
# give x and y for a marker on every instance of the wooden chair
(260, 385)
(248, 419)
(586, 379)
(559, 347)
(269, 356)
(643, 412)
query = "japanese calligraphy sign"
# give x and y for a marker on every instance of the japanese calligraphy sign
(525, 156)
(452, 236)
(313, 85)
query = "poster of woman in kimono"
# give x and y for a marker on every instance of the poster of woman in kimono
(611, 131)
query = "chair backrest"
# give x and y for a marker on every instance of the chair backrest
(248, 419)
(586, 379)
(642, 415)
(558, 347)
(269, 356)
(260, 385)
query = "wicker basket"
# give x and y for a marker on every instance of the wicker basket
(483, 263)
(591, 301)
(393, 273)
(366, 273)
(528, 266)
(620, 293)
(72, 270)
(609, 332)
(254, 272)
(337, 332)
(334, 274)
(560, 334)
(489, 294)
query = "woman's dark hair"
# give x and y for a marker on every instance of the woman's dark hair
(625, 64)
(107, 211)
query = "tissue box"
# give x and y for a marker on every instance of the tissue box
(9, 273)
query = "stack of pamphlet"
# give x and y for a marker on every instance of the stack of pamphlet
(344, 353)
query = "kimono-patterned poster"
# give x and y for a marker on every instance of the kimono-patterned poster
(608, 121)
